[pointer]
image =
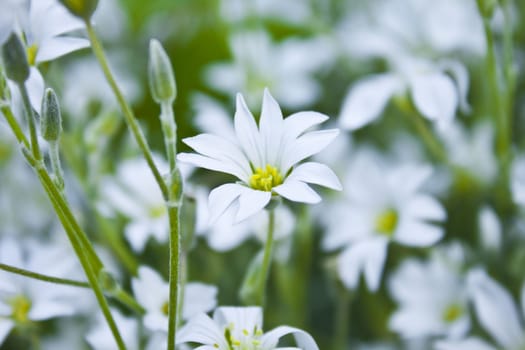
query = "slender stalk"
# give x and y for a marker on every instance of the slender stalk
(429, 138)
(173, 214)
(169, 129)
(126, 109)
(129, 301)
(28, 109)
(54, 156)
(41, 277)
(342, 319)
(13, 124)
(267, 258)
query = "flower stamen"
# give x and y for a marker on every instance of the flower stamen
(266, 179)
(386, 222)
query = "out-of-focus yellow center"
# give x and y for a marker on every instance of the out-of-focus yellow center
(31, 54)
(264, 179)
(20, 308)
(156, 212)
(452, 313)
(165, 308)
(386, 222)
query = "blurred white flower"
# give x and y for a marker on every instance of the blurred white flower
(381, 203)
(490, 230)
(11, 12)
(134, 192)
(263, 158)
(497, 313)
(45, 31)
(100, 337)
(432, 299)
(152, 292)
(239, 328)
(434, 93)
(518, 180)
(24, 300)
(259, 63)
(294, 11)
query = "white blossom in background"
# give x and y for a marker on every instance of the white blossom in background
(152, 292)
(496, 312)
(239, 328)
(24, 301)
(431, 297)
(518, 180)
(99, 337)
(490, 230)
(264, 157)
(134, 193)
(47, 29)
(420, 53)
(382, 203)
(257, 62)
(12, 12)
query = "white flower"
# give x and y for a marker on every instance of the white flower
(24, 300)
(497, 313)
(135, 193)
(518, 180)
(434, 93)
(432, 299)
(381, 204)
(239, 328)
(100, 337)
(264, 157)
(152, 292)
(490, 230)
(259, 63)
(45, 30)
(295, 11)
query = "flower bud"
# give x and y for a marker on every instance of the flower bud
(108, 282)
(81, 8)
(15, 59)
(161, 76)
(51, 121)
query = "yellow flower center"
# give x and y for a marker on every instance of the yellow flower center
(386, 222)
(250, 339)
(266, 179)
(157, 211)
(31, 54)
(165, 308)
(20, 308)
(452, 313)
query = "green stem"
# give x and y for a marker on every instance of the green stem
(126, 109)
(54, 156)
(28, 109)
(129, 301)
(429, 138)
(173, 214)
(13, 124)
(41, 277)
(342, 319)
(267, 258)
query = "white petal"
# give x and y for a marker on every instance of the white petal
(137, 234)
(198, 298)
(316, 173)
(298, 123)
(247, 133)
(271, 127)
(414, 233)
(435, 96)
(460, 74)
(496, 311)
(156, 321)
(35, 88)
(248, 317)
(46, 309)
(59, 46)
(250, 202)
(297, 191)
(304, 340)
(415, 321)
(224, 234)
(366, 100)
(222, 150)
(150, 289)
(305, 146)
(424, 207)
(210, 163)
(5, 327)
(221, 198)
(464, 344)
(377, 250)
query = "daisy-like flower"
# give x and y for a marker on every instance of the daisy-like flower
(134, 193)
(152, 293)
(497, 313)
(381, 204)
(432, 296)
(264, 157)
(24, 301)
(239, 328)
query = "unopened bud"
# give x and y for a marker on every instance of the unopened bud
(81, 8)
(108, 282)
(15, 59)
(161, 76)
(51, 121)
